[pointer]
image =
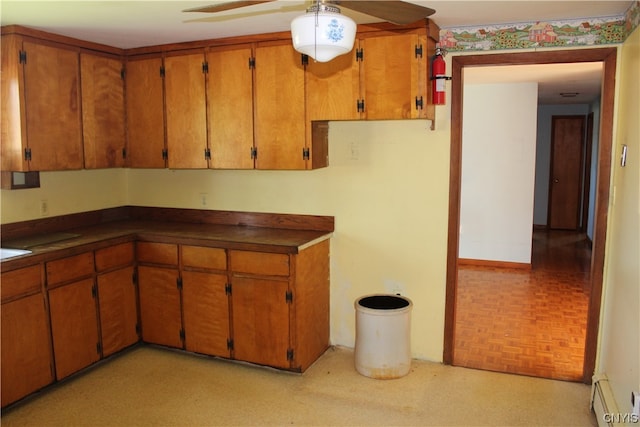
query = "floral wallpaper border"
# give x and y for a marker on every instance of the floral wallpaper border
(589, 32)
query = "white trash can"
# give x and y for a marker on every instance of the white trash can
(383, 329)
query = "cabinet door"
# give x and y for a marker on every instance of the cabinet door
(26, 348)
(206, 313)
(52, 102)
(333, 88)
(74, 327)
(394, 76)
(102, 111)
(279, 107)
(160, 312)
(14, 138)
(118, 310)
(186, 111)
(260, 321)
(145, 113)
(230, 102)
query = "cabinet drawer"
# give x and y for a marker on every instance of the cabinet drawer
(21, 282)
(259, 263)
(114, 256)
(67, 269)
(157, 253)
(201, 257)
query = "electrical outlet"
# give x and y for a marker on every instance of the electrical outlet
(203, 200)
(44, 208)
(355, 150)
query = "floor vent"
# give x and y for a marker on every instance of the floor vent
(602, 401)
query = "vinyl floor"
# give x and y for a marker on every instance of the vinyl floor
(530, 322)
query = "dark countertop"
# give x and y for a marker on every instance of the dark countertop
(240, 237)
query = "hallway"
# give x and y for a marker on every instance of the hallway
(529, 322)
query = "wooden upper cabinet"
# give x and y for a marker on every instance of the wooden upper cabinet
(103, 125)
(41, 112)
(14, 136)
(186, 111)
(145, 113)
(394, 76)
(52, 99)
(333, 88)
(279, 107)
(230, 103)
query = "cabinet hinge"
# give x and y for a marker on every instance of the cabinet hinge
(22, 56)
(304, 59)
(254, 153)
(288, 296)
(290, 354)
(229, 344)
(138, 329)
(179, 282)
(124, 153)
(165, 154)
(205, 67)
(98, 348)
(227, 288)
(360, 54)
(182, 334)
(27, 154)
(252, 62)
(418, 51)
(419, 103)
(134, 277)
(305, 153)
(360, 105)
(94, 292)
(122, 73)
(207, 154)
(162, 71)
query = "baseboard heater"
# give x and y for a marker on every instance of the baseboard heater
(602, 401)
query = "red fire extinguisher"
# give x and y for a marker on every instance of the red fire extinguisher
(438, 77)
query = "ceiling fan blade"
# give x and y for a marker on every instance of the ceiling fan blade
(396, 12)
(226, 6)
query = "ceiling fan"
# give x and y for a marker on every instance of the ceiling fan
(323, 32)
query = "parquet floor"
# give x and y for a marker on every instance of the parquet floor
(530, 322)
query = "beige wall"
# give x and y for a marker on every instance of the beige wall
(64, 193)
(619, 344)
(387, 186)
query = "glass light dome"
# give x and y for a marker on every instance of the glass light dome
(323, 33)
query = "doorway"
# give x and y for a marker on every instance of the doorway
(608, 57)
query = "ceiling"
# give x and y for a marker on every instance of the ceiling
(130, 24)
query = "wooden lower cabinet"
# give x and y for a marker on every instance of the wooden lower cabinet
(74, 327)
(205, 306)
(160, 306)
(27, 362)
(261, 321)
(280, 306)
(265, 308)
(117, 297)
(118, 310)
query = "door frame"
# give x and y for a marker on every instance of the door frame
(608, 57)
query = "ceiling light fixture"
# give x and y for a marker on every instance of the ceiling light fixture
(323, 33)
